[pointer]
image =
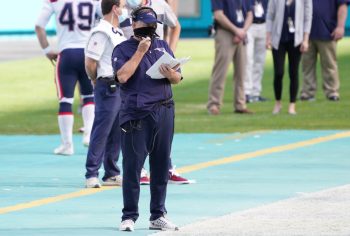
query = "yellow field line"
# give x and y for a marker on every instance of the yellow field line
(45, 201)
(262, 152)
(184, 169)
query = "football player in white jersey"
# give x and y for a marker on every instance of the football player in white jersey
(105, 136)
(74, 20)
(164, 14)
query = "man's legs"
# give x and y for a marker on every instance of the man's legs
(87, 95)
(65, 79)
(103, 131)
(309, 61)
(330, 74)
(112, 151)
(240, 59)
(158, 160)
(259, 60)
(248, 82)
(136, 141)
(224, 49)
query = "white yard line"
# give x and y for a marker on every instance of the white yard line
(322, 213)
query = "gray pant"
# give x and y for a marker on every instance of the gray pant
(256, 54)
(225, 53)
(329, 68)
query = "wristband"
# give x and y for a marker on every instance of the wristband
(47, 50)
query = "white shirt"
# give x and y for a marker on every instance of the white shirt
(74, 20)
(164, 14)
(100, 47)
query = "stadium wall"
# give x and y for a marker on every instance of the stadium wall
(21, 21)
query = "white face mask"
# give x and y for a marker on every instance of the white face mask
(134, 3)
(123, 16)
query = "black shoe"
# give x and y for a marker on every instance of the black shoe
(261, 99)
(334, 98)
(308, 99)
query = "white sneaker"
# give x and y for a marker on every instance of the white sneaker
(113, 181)
(162, 223)
(66, 150)
(127, 225)
(92, 182)
(86, 139)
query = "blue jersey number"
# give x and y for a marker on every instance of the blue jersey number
(84, 14)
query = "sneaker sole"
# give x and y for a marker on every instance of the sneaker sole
(178, 182)
(127, 229)
(163, 229)
(63, 154)
(95, 186)
(111, 184)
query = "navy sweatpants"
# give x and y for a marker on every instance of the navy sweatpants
(153, 136)
(105, 135)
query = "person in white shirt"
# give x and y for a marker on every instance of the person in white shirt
(74, 20)
(164, 14)
(105, 136)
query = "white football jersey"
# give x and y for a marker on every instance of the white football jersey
(164, 14)
(74, 20)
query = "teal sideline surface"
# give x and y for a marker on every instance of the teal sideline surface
(30, 172)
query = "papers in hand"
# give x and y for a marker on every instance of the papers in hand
(154, 73)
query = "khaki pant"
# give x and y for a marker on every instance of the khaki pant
(256, 54)
(225, 53)
(329, 67)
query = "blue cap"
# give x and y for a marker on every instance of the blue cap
(146, 17)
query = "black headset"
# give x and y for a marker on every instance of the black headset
(136, 11)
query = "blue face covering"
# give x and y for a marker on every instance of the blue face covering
(123, 16)
(134, 3)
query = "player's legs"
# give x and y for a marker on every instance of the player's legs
(65, 81)
(87, 95)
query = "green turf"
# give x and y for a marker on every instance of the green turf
(29, 104)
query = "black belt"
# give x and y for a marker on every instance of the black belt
(259, 21)
(106, 79)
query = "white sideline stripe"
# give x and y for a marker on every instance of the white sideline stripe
(326, 212)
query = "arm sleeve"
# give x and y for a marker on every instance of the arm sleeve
(170, 17)
(118, 58)
(270, 15)
(217, 5)
(45, 14)
(96, 45)
(308, 16)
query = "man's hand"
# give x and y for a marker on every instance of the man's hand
(241, 33)
(304, 46)
(268, 41)
(167, 71)
(236, 40)
(52, 56)
(338, 33)
(144, 45)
